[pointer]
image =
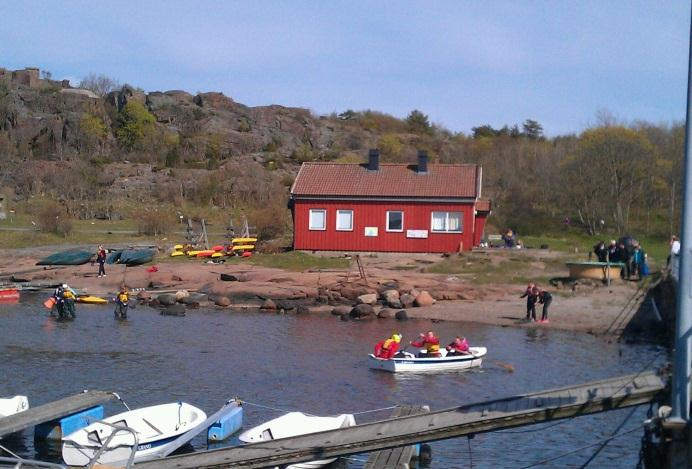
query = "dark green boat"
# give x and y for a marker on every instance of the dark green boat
(71, 257)
(131, 257)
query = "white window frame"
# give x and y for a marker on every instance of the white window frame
(446, 230)
(336, 224)
(324, 214)
(402, 221)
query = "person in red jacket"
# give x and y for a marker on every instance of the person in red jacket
(430, 343)
(387, 348)
(459, 346)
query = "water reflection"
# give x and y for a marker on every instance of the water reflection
(313, 364)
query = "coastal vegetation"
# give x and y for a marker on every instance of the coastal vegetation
(111, 153)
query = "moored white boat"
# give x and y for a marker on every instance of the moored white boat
(157, 428)
(294, 424)
(411, 363)
(13, 405)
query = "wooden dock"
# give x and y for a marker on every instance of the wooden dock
(396, 458)
(527, 409)
(53, 410)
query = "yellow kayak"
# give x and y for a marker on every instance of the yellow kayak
(193, 253)
(243, 247)
(243, 240)
(178, 247)
(217, 254)
(177, 253)
(94, 300)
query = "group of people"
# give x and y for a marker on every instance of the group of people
(631, 255)
(535, 295)
(64, 298)
(427, 342)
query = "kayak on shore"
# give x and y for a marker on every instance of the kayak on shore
(71, 257)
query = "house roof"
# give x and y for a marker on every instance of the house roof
(391, 180)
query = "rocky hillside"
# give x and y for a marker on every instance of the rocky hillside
(92, 151)
(103, 153)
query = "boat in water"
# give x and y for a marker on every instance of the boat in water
(13, 405)
(157, 429)
(408, 362)
(71, 257)
(294, 424)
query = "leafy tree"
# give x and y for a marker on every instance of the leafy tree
(93, 131)
(390, 146)
(99, 84)
(135, 126)
(484, 131)
(418, 122)
(607, 170)
(532, 129)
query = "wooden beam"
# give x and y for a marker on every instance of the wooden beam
(451, 423)
(53, 410)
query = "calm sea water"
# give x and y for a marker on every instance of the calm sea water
(314, 364)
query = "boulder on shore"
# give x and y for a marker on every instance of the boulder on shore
(424, 299)
(407, 300)
(361, 311)
(341, 310)
(401, 315)
(368, 299)
(167, 299)
(385, 313)
(180, 294)
(268, 304)
(222, 301)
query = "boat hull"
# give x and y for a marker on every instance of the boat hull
(293, 424)
(413, 364)
(13, 405)
(157, 427)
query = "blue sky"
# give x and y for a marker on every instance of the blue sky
(464, 63)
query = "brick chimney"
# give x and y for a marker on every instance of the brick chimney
(374, 160)
(422, 162)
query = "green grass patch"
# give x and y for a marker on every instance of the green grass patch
(480, 269)
(294, 261)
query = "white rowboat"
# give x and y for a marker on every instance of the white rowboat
(294, 424)
(411, 363)
(13, 405)
(157, 427)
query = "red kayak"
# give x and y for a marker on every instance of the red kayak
(9, 294)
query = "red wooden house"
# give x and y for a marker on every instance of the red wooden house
(377, 207)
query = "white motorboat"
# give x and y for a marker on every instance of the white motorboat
(13, 405)
(294, 424)
(408, 362)
(157, 428)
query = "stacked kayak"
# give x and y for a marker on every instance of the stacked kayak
(71, 257)
(241, 245)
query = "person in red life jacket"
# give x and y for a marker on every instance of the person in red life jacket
(531, 295)
(430, 343)
(459, 346)
(387, 348)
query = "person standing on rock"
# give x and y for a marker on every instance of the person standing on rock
(101, 259)
(545, 298)
(430, 342)
(531, 295)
